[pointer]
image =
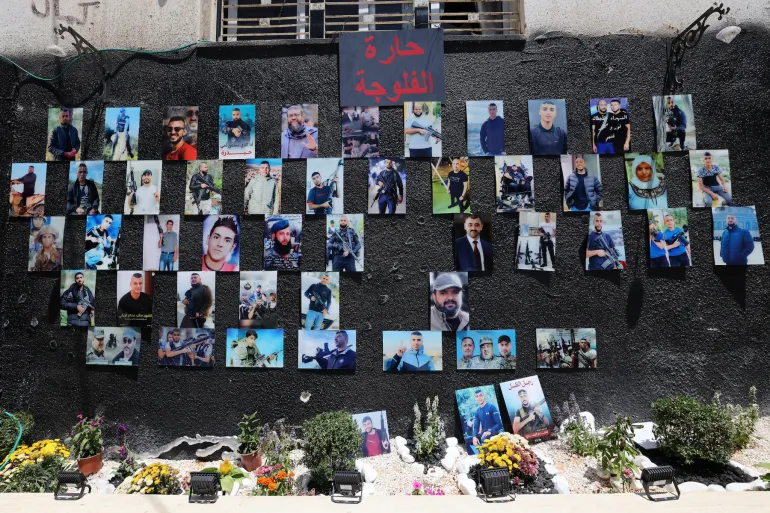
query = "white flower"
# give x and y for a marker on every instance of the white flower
(148, 480)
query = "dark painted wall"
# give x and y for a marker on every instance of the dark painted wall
(659, 333)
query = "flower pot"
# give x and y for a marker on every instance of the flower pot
(89, 466)
(251, 462)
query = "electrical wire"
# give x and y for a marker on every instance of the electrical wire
(143, 52)
(18, 439)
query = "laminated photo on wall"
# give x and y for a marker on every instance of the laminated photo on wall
(605, 250)
(473, 249)
(65, 127)
(46, 244)
(449, 307)
(548, 127)
(320, 301)
(527, 409)
(262, 194)
(345, 243)
(387, 186)
(583, 189)
(135, 292)
(737, 239)
(412, 351)
(712, 182)
(450, 184)
(327, 350)
(180, 133)
(323, 186)
(236, 131)
(259, 299)
(113, 346)
(121, 133)
(486, 349)
(143, 179)
(186, 347)
(283, 242)
(221, 244)
(27, 191)
(610, 126)
(566, 348)
(515, 183)
(486, 129)
(647, 185)
(203, 191)
(669, 238)
(254, 349)
(536, 250)
(299, 131)
(374, 429)
(479, 415)
(103, 241)
(76, 298)
(360, 132)
(675, 122)
(422, 129)
(161, 243)
(195, 299)
(84, 188)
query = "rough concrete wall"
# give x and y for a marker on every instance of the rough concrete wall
(658, 333)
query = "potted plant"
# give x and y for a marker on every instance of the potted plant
(85, 443)
(250, 442)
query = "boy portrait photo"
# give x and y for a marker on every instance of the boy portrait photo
(449, 307)
(515, 183)
(712, 184)
(548, 127)
(221, 244)
(254, 349)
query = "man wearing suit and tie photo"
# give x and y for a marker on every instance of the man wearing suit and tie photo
(473, 251)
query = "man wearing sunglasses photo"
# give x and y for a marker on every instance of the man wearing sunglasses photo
(176, 148)
(130, 349)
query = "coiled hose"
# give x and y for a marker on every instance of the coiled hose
(18, 438)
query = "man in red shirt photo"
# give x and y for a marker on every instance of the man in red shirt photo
(375, 441)
(177, 148)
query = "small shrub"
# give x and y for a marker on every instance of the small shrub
(277, 443)
(331, 441)
(615, 450)
(579, 437)
(249, 437)
(429, 437)
(9, 431)
(744, 418)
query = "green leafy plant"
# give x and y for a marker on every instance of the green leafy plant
(765, 477)
(229, 474)
(277, 443)
(428, 438)
(86, 438)
(579, 437)
(128, 462)
(744, 418)
(249, 437)
(9, 431)
(331, 441)
(615, 450)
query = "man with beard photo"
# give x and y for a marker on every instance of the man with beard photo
(260, 194)
(221, 244)
(177, 148)
(281, 255)
(736, 244)
(78, 302)
(345, 245)
(320, 296)
(486, 358)
(390, 187)
(413, 359)
(375, 441)
(197, 302)
(446, 313)
(298, 141)
(468, 346)
(95, 354)
(600, 248)
(130, 353)
(418, 141)
(237, 130)
(546, 137)
(201, 188)
(528, 419)
(585, 357)
(610, 130)
(135, 307)
(82, 194)
(505, 346)
(147, 197)
(582, 191)
(676, 126)
(63, 140)
(342, 357)
(472, 253)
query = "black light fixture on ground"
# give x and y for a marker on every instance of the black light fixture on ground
(659, 476)
(204, 487)
(347, 487)
(495, 485)
(72, 486)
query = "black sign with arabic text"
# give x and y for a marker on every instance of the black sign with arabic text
(391, 67)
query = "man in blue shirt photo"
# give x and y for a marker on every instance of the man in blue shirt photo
(546, 138)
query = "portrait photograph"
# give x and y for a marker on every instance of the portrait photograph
(161, 243)
(527, 409)
(712, 184)
(76, 296)
(566, 348)
(422, 129)
(669, 238)
(323, 186)
(374, 429)
(450, 185)
(283, 242)
(486, 350)
(675, 122)
(548, 127)
(320, 301)
(486, 130)
(27, 192)
(180, 133)
(84, 188)
(259, 299)
(195, 299)
(299, 131)
(262, 194)
(472, 236)
(46, 244)
(113, 346)
(345, 243)
(610, 126)
(479, 415)
(135, 293)
(647, 185)
(121, 133)
(203, 188)
(221, 249)
(449, 306)
(236, 131)
(186, 347)
(254, 348)
(412, 351)
(143, 179)
(736, 236)
(327, 350)
(536, 249)
(514, 183)
(65, 128)
(605, 250)
(387, 186)
(103, 241)
(360, 132)
(583, 191)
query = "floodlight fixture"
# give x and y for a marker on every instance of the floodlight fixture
(347, 487)
(71, 486)
(204, 487)
(495, 485)
(659, 476)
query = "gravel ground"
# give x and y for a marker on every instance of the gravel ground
(759, 449)
(580, 472)
(394, 477)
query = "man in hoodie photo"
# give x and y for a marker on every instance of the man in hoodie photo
(422, 354)
(314, 352)
(449, 308)
(736, 236)
(299, 139)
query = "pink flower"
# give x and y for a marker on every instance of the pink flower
(627, 473)
(417, 485)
